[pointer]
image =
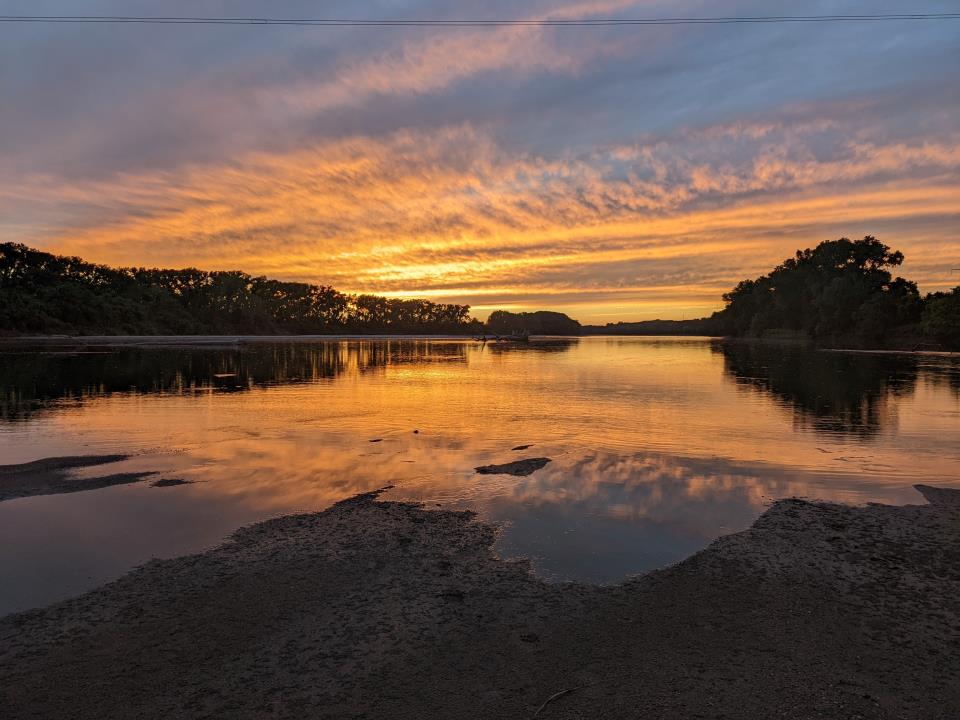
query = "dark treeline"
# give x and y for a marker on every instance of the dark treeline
(705, 326)
(840, 292)
(838, 289)
(47, 294)
(542, 322)
(941, 317)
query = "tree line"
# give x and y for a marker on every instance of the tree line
(541, 322)
(702, 326)
(41, 293)
(841, 290)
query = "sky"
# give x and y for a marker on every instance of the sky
(622, 173)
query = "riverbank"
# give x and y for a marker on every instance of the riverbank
(213, 340)
(53, 476)
(907, 346)
(386, 609)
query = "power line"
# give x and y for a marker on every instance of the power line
(330, 22)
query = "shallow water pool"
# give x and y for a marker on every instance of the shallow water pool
(658, 445)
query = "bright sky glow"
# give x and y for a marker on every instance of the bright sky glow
(617, 173)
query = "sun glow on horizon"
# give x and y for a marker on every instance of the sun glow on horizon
(509, 168)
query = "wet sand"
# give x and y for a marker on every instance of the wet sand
(518, 468)
(51, 476)
(376, 609)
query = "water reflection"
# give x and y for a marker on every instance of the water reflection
(538, 346)
(34, 379)
(603, 517)
(659, 445)
(830, 392)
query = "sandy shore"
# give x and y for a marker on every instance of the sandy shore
(390, 610)
(52, 476)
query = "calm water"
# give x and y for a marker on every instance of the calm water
(659, 445)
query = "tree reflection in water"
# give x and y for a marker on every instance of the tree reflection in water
(831, 392)
(34, 379)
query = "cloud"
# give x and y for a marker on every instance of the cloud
(598, 169)
(432, 62)
(453, 214)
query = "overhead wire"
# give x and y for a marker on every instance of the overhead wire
(479, 22)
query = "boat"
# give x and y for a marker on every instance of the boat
(520, 336)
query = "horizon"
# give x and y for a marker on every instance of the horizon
(612, 174)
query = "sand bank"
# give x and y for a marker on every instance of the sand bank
(378, 609)
(51, 476)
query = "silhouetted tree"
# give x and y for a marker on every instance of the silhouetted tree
(941, 317)
(840, 287)
(44, 293)
(542, 322)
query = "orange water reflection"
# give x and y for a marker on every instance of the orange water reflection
(659, 444)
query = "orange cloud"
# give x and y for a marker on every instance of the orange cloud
(652, 229)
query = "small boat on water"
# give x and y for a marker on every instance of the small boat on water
(521, 336)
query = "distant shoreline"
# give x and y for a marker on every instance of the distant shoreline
(221, 340)
(214, 339)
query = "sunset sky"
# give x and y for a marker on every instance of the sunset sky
(621, 173)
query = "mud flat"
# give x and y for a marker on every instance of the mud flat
(51, 476)
(519, 468)
(376, 609)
